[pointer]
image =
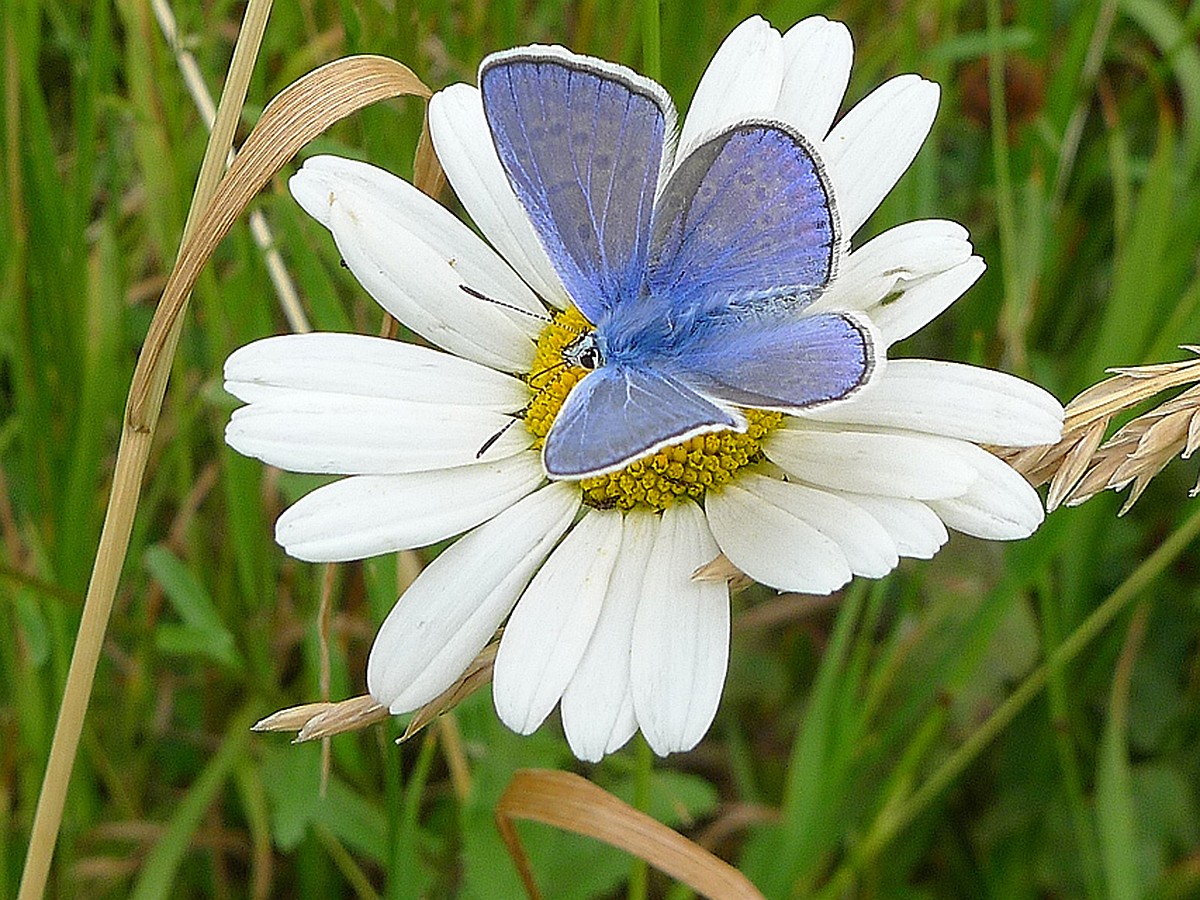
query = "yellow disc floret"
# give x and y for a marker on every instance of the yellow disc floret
(686, 469)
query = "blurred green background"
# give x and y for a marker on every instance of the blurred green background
(1082, 191)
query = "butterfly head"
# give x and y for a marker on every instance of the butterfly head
(585, 352)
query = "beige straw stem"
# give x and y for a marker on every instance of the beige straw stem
(132, 456)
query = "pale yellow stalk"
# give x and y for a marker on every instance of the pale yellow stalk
(132, 455)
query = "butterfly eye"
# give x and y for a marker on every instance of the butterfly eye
(584, 352)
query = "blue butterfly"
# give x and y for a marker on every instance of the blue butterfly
(695, 287)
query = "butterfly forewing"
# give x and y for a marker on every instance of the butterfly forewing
(582, 147)
(617, 414)
(746, 218)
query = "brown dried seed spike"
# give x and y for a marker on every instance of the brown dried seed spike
(1074, 464)
(320, 720)
(720, 569)
(476, 676)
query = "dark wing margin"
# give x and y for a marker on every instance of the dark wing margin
(581, 142)
(746, 218)
(618, 414)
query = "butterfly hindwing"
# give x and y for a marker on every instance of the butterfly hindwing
(581, 142)
(617, 414)
(746, 218)
(781, 362)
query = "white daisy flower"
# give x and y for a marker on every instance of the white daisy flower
(592, 578)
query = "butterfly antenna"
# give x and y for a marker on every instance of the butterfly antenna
(470, 291)
(534, 376)
(487, 445)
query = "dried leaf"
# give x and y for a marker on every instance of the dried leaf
(1093, 482)
(1193, 435)
(570, 802)
(1079, 466)
(427, 170)
(1166, 435)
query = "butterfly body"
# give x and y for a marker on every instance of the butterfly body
(695, 275)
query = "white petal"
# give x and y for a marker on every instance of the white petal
(421, 288)
(817, 56)
(597, 706)
(866, 545)
(456, 604)
(680, 636)
(549, 630)
(864, 462)
(366, 515)
(896, 260)
(1000, 506)
(741, 82)
(874, 143)
(772, 545)
(914, 528)
(359, 184)
(924, 301)
(358, 365)
(339, 434)
(954, 400)
(468, 156)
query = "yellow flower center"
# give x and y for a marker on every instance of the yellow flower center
(686, 469)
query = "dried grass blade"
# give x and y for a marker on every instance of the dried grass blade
(1193, 436)
(570, 802)
(301, 112)
(720, 569)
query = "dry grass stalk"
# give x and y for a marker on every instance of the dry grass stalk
(298, 114)
(1080, 465)
(193, 80)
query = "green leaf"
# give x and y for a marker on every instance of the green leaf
(1115, 815)
(157, 876)
(292, 778)
(202, 633)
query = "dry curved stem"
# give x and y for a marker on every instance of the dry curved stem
(1080, 466)
(291, 120)
(299, 113)
(570, 802)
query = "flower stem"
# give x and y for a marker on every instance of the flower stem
(891, 821)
